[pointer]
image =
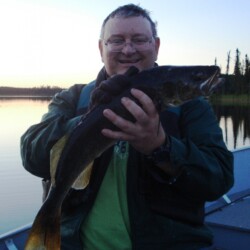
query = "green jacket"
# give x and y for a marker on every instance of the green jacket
(165, 213)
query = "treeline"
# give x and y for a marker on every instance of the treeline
(239, 82)
(45, 91)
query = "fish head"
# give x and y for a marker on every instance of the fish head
(206, 78)
(187, 82)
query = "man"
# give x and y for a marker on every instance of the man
(148, 190)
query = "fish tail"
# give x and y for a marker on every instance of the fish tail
(45, 231)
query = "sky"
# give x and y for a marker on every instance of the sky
(55, 42)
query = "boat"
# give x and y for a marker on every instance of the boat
(15, 239)
(228, 217)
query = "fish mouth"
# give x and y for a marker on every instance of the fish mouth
(212, 83)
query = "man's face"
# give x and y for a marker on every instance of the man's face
(128, 29)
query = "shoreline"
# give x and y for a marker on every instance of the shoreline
(243, 99)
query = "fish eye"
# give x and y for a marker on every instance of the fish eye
(198, 75)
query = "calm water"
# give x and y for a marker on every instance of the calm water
(20, 192)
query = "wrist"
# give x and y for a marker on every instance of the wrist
(161, 154)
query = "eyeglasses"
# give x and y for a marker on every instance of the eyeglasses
(137, 43)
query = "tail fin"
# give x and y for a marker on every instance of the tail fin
(45, 231)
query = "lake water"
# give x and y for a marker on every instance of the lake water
(21, 193)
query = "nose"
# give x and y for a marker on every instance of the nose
(128, 48)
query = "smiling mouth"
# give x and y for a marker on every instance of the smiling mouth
(129, 61)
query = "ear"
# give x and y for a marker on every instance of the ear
(100, 44)
(157, 46)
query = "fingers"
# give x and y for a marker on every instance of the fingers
(146, 128)
(126, 127)
(144, 113)
(146, 102)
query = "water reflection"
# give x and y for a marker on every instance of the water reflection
(20, 192)
(235, 122)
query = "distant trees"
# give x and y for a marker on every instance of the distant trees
(46, 91)
(237, 71)
(239, 81)
(247, 69)
(228, 62)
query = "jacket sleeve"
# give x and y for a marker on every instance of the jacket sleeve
(38, 140)
(202, 154)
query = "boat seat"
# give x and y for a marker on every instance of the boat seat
(10, 244)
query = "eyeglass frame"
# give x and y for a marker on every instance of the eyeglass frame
(124, 44)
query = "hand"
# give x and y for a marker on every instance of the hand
(112, 87)
(147, 133)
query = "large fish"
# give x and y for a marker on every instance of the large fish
(172, 84)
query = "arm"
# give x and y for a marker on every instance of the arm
(201, 153)
(200, 160)
(38, 140)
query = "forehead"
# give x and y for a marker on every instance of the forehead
(127, 26)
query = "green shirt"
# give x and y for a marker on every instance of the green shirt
(107, 225)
